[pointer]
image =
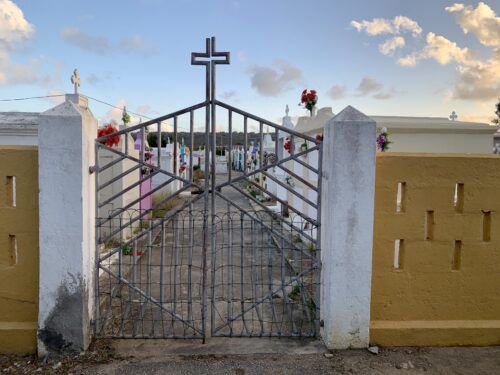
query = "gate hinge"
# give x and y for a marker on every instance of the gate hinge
(91, 169)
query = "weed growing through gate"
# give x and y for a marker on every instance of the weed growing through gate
(111, 243)
(295, 293)
(311, 247)
(163, 208)
(296, 238)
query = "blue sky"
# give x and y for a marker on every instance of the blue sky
(137, 53)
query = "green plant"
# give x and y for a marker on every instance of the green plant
(311, 247)
(161, 208)
(153, 139)
(294, 294)
(296, 238)
(198, 175)
(111, 243)
(311, 306)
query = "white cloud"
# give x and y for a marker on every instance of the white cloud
(96, 79)
(115, 114)
(485, 119)
(14, 27)
(242, 56)
(101, 45)
(370, 86)
(337, 92)
(56, 99)
(145, 110)
(381, 26)
(479, 81)
(444, 51)
(228, 95)
(390, 45)
(480, 21)
(97, 44)
(455, 7)
(477, 78)
(273, 81)
(16, 31)
(136, 43)
(408, 60)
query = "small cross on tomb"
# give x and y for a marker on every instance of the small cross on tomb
(75, 80)
(453, 116)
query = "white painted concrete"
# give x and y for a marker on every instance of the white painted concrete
(19, 128)
(167, 164)
(347, 198)
(419, 134)
(67, 212)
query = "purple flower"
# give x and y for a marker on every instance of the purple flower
(381, 142)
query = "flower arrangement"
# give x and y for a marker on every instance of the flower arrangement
(129, 250)
(309, 100)
(182, 168)
(383, 140)
(148, 154)
(125, 116)
(106, 130)
(288, 145)
(319, 137)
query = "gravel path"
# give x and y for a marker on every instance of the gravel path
(445, 361)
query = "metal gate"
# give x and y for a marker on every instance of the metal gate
(184, 251)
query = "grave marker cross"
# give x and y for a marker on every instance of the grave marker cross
(75, 80)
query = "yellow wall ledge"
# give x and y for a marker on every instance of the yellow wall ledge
(435, 333)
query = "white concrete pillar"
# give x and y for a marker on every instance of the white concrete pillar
(347, 209)
(67, 213)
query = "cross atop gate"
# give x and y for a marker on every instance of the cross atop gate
(210, 54)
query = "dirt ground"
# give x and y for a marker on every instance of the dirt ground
(104, 359)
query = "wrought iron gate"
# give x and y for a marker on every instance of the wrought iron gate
(201, 253)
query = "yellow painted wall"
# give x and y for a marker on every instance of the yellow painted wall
(434, 299)
(18, 269)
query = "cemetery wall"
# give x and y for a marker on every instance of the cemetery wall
(19, 250)
(442, 286)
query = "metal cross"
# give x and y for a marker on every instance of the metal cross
(75, 80)
(453, 116)
(198, 58)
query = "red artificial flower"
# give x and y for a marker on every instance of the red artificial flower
(287, 145)
(107, 130)
(309, 99)
(319, 137)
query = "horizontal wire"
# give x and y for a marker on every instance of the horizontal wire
(31, 97)
(88, 97)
